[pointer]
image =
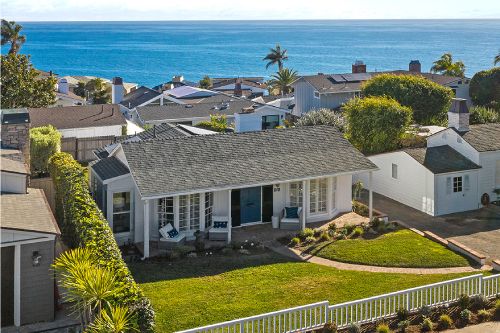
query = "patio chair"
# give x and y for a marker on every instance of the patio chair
(170, 237)
(219, 231)
(291, 218)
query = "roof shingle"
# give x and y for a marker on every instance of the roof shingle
(483, 137)
(441, 159)
(108, 168)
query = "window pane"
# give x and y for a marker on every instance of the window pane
(183, 212)
(209, 202)
(121, 222)
(121, 202)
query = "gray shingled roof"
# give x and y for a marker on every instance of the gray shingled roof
(197, 163)
(484, 137)
(441, 159)
(109, 167)
(12, 160)
(139, 96)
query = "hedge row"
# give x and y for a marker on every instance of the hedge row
(83, 225)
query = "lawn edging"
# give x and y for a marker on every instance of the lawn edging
(461, 248)
(496, 265)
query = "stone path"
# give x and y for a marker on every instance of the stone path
(489, 327)
(296, 254)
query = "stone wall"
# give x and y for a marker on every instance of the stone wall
(17, 136)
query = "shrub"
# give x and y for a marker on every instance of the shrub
(83, 225)
(45, 141)
(426, 325)
(324, 236)
(354, 328)
(402, 314)
(322, 117)
(383, 328)
(483, 315)
(478, 302)
(497, 309)
(332, 226)
(360, 209)
(485, 87)
(329, 328)
(483, 115)
(307, 232)
(376, 222)
(465, 316)
(403, 325)
(376, 124)
(309, 240)
(295, 241)
(317, 232)
(429, 101)
(358, 231)
(425, 311)
(463, 301)
(349, 228)
(444, 322)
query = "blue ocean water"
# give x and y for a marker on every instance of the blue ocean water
(151, 52)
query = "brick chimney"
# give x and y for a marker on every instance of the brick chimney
(458, 115)
(16, 131)
(237, 88)
(117, 90)
(415, 66)
(358, 67)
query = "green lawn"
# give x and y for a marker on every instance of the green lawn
(403, 248)
(201, 291)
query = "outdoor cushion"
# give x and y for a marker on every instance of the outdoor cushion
(173, 233)
(292, 212)
(220, 225)
(165, 230)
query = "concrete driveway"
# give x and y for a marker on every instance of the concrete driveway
(478, 229)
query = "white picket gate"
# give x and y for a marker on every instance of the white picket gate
(307, 317)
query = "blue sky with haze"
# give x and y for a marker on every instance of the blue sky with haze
(125, 10)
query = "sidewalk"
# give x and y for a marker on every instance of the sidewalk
(489, 327)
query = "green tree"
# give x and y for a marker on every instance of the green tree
(283, 80)
(484, 88)
(80, 90)
(376, 124)
(497, 59)
(11, 34)
(483, 115)
(429, 101)
(322, 117)
(446, 66)
(206, 82)
(98, 92)
(217, 123)
(276, 56)
(20, 85)
(45, 141)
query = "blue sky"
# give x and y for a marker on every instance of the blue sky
(111, 10)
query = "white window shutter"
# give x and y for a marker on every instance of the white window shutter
(448, 185)
(466, 182)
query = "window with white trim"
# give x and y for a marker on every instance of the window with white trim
(334, 191)
(121, 212)
(316, 94)
(209, 208)
(295, 194)
(165, 212)
(394, 171)
(457, 184)
(189, 212)
(317, 196)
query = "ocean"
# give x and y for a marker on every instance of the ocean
(150, 53)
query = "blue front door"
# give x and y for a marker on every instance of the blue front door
(250, 204)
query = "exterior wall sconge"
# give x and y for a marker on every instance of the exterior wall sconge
(36, 258)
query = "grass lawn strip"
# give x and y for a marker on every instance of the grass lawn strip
(200, 291)
(402, 248)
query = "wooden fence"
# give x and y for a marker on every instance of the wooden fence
(82, 149)
(372, 309)
(47, 185)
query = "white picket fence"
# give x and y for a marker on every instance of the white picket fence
(316, 315)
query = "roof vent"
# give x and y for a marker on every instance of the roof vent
(188, 106)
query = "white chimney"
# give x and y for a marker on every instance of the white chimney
(458, 115)
(178, 78)
(63, 86)
(117, 90)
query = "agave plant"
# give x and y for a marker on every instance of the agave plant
(113, 319)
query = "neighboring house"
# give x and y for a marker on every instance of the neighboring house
(28, 235)
(332, 90)
(128, 102)
(457, 171)
(188, 95)
(66, 97)
(176, 82)
(73, 81)
(240, 86)
(83, 121)
(246, 177)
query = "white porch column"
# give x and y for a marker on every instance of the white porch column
(17, 285)
(202, 211)
(305, 199)
(230, 219)
(370, 195)
(146, 228)
(176, 212)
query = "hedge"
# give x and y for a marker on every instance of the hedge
(83, 225)
(45, 141)
(485, 88)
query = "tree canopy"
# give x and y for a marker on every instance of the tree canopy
(206, 82)
(446, 66)
(98, 92)
(322, 117)
(45, 141)
(217, 123)
(21, 85)
(282, 80)
(376, 124)
(429, 101)
(11, 34)
(276, 56)
(485, 88)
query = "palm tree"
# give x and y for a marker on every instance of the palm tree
(114, 319)
(497, 59)
(283, 80)
(446, 66)
(11, 34)
(276, 56)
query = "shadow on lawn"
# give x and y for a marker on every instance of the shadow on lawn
(157, 269)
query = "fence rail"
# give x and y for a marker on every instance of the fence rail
(361, 311)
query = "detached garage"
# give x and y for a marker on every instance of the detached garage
(435, 180)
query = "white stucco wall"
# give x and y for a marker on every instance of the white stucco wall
(13, 182)
(247, 122)
(461, 88)
(89, 132)
(451, 138)
(489, 174)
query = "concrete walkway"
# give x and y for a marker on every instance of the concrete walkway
(296, 254)
(489, 327)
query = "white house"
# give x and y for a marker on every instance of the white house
(246, 178)
(459, 170)
(332, 90)
(240, 86)
(140, 96)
